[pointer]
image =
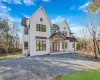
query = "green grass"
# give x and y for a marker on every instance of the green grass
(85, 75)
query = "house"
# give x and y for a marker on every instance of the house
(40, 36)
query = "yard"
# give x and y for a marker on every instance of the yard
(45, 67)
(9, 56)
(85, 75)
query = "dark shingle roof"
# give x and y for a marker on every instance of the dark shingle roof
(23, 21)
(55, 26)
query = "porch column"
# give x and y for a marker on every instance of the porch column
(64, 45)
(51, 47)
(58, 45)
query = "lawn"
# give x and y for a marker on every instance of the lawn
(85, 75)
(9, 56)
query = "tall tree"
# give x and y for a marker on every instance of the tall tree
(94, 24)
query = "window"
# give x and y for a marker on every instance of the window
(65, 45)
(73, 45)
(41, 19)
(40, 27)
(25, 30)
(62, 45)
(25, 45)
(44, 28)
(40, 45)
(64, 33)
(37, 27)
(64, 27)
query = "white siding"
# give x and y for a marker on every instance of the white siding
(69, 46)
(62, 25)
(36, 20)
(32, 33)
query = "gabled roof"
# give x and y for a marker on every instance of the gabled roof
(41, 8)
(59, 33)
(66, 24)
(72, 39)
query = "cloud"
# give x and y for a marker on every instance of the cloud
(58, 19)
(73, 7)
(26, 2)
(83, 7)
(25, 15)
(3, 8)
(45, 0)
(17, 1)
(29, 2)
(79, 30)
(8, 1)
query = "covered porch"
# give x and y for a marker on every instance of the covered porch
(56, 41)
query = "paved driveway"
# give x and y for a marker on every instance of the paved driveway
(42, 67)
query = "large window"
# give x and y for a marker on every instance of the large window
(73, 45)
(62, 45)
(25, 30)
(40, 45)
(65, 45)
(25, 45)
(40, 27)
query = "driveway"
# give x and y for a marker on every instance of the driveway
(43, 67)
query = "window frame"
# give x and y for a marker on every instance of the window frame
(25, 30)
(41, 27)
(25, 45)
(41, 19)
(66, 45)
(62, 45)
(41, 45)
(74, 45)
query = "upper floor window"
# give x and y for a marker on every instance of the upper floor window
(41, 19)
(25, 30)
(40, 27)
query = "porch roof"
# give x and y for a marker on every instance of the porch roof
(39, 37)
(66, 38)
(59, 33)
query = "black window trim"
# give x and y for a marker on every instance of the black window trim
(38, 28)
(25, 30)
(40, 45)
(25, 45)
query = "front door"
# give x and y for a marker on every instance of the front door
(54, 46)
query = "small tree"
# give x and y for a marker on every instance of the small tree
(4, 29)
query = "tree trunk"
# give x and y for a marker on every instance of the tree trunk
(98, 47)
(94, 45)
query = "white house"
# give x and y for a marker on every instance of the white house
(40, 36)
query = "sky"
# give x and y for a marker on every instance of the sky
(73, 11)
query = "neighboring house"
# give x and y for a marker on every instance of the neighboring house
(40, 36)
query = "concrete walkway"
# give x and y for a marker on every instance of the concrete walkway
(43, 67)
